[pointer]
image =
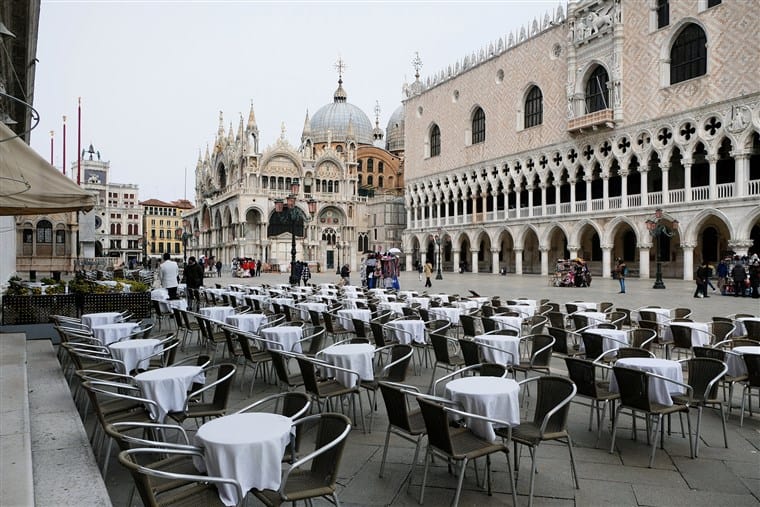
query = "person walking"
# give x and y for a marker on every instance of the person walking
(194, 281)
(305, 274)
(428, 269)
(622, 271)
(754, 278)
(345, 273)
(739, 274)
(419, 270)
(722, 274)
(701, 281)
(218, 269)
(258, 267)
(168, 272)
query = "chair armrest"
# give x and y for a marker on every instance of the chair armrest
(453, 374)
(207, 387)
(556, 408)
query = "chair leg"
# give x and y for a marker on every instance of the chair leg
(657, 429)
(414, 461)
(455, 502)
(572, 461)
(723, 421)
(512, 481)
(741, 415)
(532, 474)
(614, 428)
(697, 434)
(424, 474)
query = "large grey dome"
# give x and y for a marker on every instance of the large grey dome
(335, 118)
(394, 132)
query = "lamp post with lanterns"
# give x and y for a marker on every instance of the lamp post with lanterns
(184, 236)
(337, 250)
(438, 238)
(660, 226)
(291, 215)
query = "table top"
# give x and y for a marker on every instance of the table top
(494, 397)
(476, 385)
(348, 349)
(747, 349)
(169, 372)
(134, 344)
(246, 447)
(648, 362)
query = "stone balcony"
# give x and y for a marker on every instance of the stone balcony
(592, 121)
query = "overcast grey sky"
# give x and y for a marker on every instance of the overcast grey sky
(153, 75)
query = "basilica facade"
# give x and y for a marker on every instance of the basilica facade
(616, 129)
(343, 171)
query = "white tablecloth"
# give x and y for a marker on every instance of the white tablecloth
(446, 312)
(507, 322)
(167, 305)
(423, 302)
(281, 301)
(509, 344)
(286, 336)
(347, 315)
(469, 304)
(383, 297)
(159, 294)
(699, 333)
(585, 305)
(305, 307)
(248, 322)
(352, 356)
(659, 390)
(594, 318)
(740, 330)
(99, 319)
(408, 293)
(443, 297)
(135, 353)
(414, 326)
(110, 333)
(246, 447)
(735, 361)
(487, 396)
(217, 313)
(394, 307)
(610, 337)
(168, 387)
(351, 303)
(523, 310)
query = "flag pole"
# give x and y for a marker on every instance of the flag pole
(64, 145)
(52, 132)
(79, 141)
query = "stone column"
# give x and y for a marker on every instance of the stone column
(606, 260)
(517, 202)
(530, 200)
(686, 179)
(713, 160)
(518, 261)
(740, 246)
(543, 199)
(573, 249)
(544, 260)
(495, 261)
(455, 259)
(571, 182)
(557, 202)
(688, 261)
(605, 191)
(741, 170)
(474, 260)
(588, 193)
(644, 171)
(644, 262)
(665, 168)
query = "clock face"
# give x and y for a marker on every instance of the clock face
(98, 222)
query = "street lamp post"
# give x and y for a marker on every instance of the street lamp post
(184, 236)
(658, 227)
(337, 251)
(292, 216)
(438, 275)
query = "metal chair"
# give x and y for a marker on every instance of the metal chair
(583, 373)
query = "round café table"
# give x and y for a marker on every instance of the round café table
(494, 397)
(168, 387)
(100, 318)
(247, 447)
(659, 390)
(352, 356)
(135, 354)
(111, 333)
(508, 348)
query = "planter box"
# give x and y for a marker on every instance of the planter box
(37, 309)
(138, 303)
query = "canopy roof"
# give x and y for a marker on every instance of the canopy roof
(30, 185)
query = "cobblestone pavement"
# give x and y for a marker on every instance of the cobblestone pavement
(719, 476)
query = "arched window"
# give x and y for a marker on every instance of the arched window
(370, 165)
(478, 126)
(113, 228)
(359, 166)
(597, 94)
(380, 167)
(380, 182)
(688, 57)
(44, 232)
(663, 13)
(435, 141)
(534, 107)
(360, 180)
(370, 180)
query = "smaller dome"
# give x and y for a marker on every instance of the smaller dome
(394, 132)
